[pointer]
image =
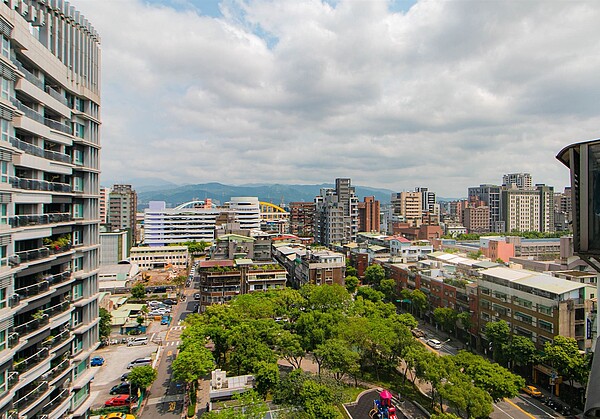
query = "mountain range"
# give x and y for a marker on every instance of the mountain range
(274, 193)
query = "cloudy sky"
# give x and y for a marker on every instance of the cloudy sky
(394, 94)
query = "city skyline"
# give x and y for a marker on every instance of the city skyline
(390, 94)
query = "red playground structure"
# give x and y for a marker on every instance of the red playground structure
(383, 408)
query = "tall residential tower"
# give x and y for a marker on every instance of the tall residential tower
(49, 191)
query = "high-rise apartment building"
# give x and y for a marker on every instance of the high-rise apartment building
(490, 194)
(517, 180)
(368, 214)
(336, 214)
(302, 216)
(408, 205)
(427, 200)
(122, 207)
(104, 204)
(528, 209)
(476, 219)
(49, 192)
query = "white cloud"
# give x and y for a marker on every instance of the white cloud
(447, 95)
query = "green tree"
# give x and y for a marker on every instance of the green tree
(105, 320)
(388, 288)
(446, 317)
(466, 397)
(338, 358)
(521, 350)
(374, 274)
(465, 321)
(444, 416)
(351, 283)
(179, 281)
(498, 334)
(350, 270)
(250, 406)
(326, 298)
(370, 294)
(142, 377)
(138, 291)
(474, 255)
(191, 364)
(318, 400)
(289, 346)
(564, 356)
(419, 301)
(267, 378)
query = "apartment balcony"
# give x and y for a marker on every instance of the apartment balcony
(13, 339)
(56, 401)
(59, 278)
(57, 309)
(12, 379)
(39, 185)
(32, 325)
(28, 75)
(39, 151)
(33, 290)
(40, 219)
(26, 364)
(24, 402)
(40, 253)
(63, 366)
(56, 95)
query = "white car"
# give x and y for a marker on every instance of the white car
(434, 343)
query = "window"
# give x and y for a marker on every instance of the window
(79, 104)
(78, 130)
(78, 264)
(77, 237)
(5, 89)
(5, 130)
(4, 171)
(3, 257)
(77, 184)
(5, 46)
(77, 210)
(3, 299)
(78, 156)
(3, 214)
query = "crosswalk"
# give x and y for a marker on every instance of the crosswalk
(177, 327)
(173, 343)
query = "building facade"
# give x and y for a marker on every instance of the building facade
(408, 205)
(160, 257)
(490, 194)
(517, 180)
(368, 214)
(336, 214)
(477, 219)
(122, 209)
(302, 215)
(528, 209)
(49, 192)
(114, 247)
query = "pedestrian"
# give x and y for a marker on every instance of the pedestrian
(207, 406)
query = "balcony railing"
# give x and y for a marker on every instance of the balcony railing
(57, 370)
(58, 278)
(30, 113)
(57, 309)
(39, 151)
(51, 123)
(13, 339)
(32, 325)
(57, 95)
(12, 379)
(31, 397)
(33, 290)
(29, 76)
(40, 219)
(39, 185)
(30, 362)
(52, 404)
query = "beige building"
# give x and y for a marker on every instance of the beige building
(408, 205)
(160, 257)
(536, 305)
(477, 219)
(528, 209)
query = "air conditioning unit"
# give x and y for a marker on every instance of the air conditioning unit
(14, 260)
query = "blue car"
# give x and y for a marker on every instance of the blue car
(97, 361)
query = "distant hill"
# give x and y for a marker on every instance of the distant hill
(276, 193)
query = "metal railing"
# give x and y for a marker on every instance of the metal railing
(57, 370)
(12, 379)
(58, 278)
(39, 151)
(39, 185)
(33, 360)
(52, 404)
(36, 116)
(33, 290)
(51, 123)
(28, 75)
(57, 309)
(31, 397)
(13, 339)
(56, 95)
(32, 325)
(38, 219)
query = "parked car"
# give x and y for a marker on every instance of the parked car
(122, 400)
(97, 361)
(122, 388)
(117, 415)
(170, 302)
(138, 341)
(197, 296)
(139, 362)
(165, 320)
(153, 303)
(418, 333)
(434, 343)
(533, 391)
(125, 375)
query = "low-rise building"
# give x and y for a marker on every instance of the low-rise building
(306, 266)
(160, 257)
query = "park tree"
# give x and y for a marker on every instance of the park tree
(105, 319)
(318, 401)
(138, 291)
(327, 298)
(350, 270)
(266, 375)
(337, 357)
(289, 347)
(444, 415)
(249, 406)
(466, 397)
(351, 283)
(142, 377)
(374, 274)
(316, 327)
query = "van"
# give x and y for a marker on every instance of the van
(138, 341)
(140, 362)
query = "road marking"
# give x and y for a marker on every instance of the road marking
(536, 406)
(504, 411)
(528, 414)
(152, 337)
